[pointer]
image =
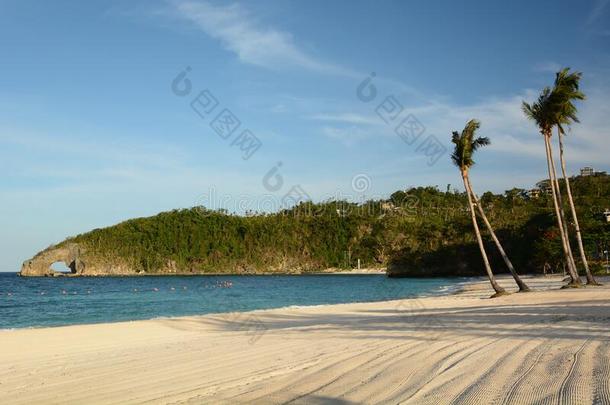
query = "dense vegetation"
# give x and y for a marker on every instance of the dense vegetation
(419, 232)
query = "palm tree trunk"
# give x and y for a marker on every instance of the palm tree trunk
(522, 286)
(573, 275)
(499, 290)
(566, 228)
(590, 279)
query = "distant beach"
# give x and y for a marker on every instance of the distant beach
(543, 346)
(354, 271)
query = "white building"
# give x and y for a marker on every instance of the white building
(587, 171)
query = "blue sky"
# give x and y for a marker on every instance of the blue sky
(92, 134)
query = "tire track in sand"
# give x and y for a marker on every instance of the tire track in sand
(570, 384)
(490, 385)
(601, 374)
(511, 392)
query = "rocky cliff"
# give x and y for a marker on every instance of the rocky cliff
(40, 265)
(76, 259)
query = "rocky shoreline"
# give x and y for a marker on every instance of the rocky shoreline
(82, 264)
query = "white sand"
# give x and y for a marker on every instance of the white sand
(541, 347)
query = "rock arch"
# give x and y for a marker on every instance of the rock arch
(40, 265)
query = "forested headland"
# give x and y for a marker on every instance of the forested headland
(421, 232)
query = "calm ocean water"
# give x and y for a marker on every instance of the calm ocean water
(35, 302)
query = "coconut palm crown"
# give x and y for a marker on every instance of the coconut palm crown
(565, 90)
(555, 106)
(466, 144)
(542, 111)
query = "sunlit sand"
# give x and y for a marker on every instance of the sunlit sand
(545, 346)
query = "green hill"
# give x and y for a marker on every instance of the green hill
(417, 232)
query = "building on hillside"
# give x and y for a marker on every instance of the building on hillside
(534, 193)
(607, 215)
(544, 186)
(387, 206)
(587, 171)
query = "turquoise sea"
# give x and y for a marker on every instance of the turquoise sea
(36, 302)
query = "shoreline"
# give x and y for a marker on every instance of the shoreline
(467, 287)
(454, 289)
(472, 288)
(461, 288)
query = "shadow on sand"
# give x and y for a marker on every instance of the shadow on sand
(556, 320)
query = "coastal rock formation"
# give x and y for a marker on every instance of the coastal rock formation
(40, 265)
(76, 259)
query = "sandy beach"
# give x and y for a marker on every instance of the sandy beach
(548, 346)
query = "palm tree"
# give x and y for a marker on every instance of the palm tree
(566, 229)
(522, 286)
(565, 90)
(465, 146)
(543, 113)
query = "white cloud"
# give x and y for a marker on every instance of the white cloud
(241, 33)
(502, 120)
(346, 135)
(548, 67)
(347, 118)
(278, 108)
(597, 11)
(161, 156)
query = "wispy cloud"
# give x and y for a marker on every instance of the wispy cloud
(347, 118)
(502, 120)
(597, 11)
(347, 135)
(106, 169)
(160, 156)
(252, 42)
(547, 67)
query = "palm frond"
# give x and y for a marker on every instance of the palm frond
(566, 90)
(528, 110)
(541, 111)
(479, 142)
(466, 144)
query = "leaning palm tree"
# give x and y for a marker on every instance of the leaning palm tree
(465, 146)
(565, 90)
(566, 229)
(522, 286)
(543, 113)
